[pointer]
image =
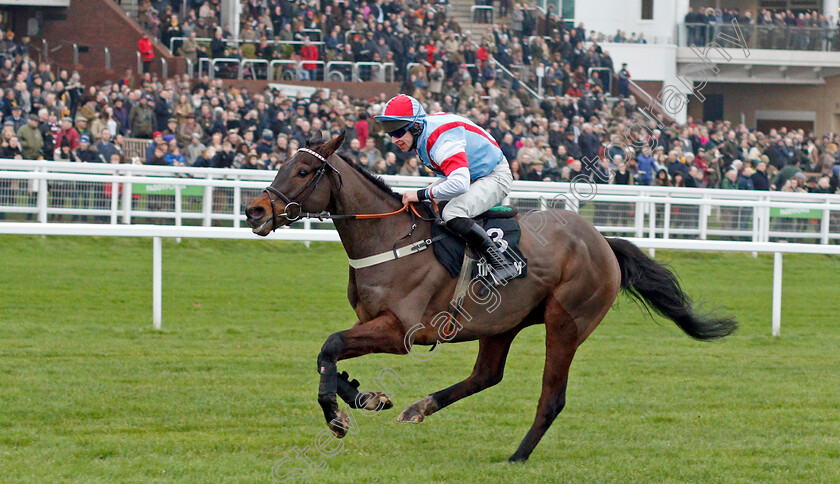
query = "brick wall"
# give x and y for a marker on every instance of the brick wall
(96, 24)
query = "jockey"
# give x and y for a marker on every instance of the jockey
(475, 175)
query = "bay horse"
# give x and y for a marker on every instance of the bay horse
(574, 275)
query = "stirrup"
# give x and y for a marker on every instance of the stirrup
(498, 274)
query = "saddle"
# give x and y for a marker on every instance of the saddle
(500, 225)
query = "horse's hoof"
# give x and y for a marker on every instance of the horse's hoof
(418, 411)
(411, 415)
(373, 401)
(517, 459)
(339, 424)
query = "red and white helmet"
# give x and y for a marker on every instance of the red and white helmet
(400, 112)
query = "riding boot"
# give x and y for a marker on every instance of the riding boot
(502, 269)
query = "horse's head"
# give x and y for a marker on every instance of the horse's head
(298, 187)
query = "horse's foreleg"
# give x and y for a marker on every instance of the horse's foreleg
(488, 370)
(348, 390)
(561, 342)
(383, 334)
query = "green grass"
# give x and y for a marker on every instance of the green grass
(90, 393)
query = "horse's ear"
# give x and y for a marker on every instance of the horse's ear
(332, 145)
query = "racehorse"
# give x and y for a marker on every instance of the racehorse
(574, 274)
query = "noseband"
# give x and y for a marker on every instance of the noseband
(309, 188)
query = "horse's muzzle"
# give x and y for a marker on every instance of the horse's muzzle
(259, 219)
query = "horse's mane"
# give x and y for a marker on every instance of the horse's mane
(375, 179)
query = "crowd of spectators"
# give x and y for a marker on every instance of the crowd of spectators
(203, 123)
(403, 32)
(770, 29)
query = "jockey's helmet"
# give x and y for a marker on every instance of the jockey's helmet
(400, 114)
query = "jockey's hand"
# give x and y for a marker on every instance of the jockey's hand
(409, 196)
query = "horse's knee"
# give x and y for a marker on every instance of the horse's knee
(554, 406)
(332, 347)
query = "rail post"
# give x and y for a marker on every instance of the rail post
(157, 265)
(777, 293)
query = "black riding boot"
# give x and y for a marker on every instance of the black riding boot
(502, 269)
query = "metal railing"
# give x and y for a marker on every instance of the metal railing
(609, 77)
(215, 70)
(650, 100)
(204, 65)
(373, 72)
(252, 70)
(515, 80)
(338, 71)
(772, 37)
(296, 70)
(44, 190)
(479, 14)
(237, 42)
(313, 33)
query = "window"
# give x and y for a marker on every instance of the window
(647, 9)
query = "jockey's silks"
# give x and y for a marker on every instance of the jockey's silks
(482, 151)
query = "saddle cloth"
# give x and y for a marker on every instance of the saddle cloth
(500, 225)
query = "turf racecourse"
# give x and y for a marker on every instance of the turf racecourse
(90, 393)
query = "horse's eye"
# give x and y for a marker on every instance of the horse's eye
(302, 173)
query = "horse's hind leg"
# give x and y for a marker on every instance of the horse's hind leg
(488, 370)
(561, 342)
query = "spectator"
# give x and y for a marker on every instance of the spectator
(147, 52)
(104, 147)
(189, 129)
(157, 139)
(173, 156)
(12, 149)
(624, 81)
(16, 118)
(410, 168)
(362, 128)
(645, 166)
(69, 133)
(370, 152)
(662, 179)
(31, 139)
(759, 178)
(141, 118)
(158, 154)
(86, 153)
(194, 151)
(695, 178)
(224, 157)
(308, 52)
(163, 109)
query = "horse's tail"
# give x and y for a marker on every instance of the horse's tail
(655, 287)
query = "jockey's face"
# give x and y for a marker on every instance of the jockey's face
(404, 142)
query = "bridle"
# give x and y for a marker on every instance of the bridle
(308, 189)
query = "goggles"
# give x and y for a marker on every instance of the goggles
(399, 133)
(397, 128)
